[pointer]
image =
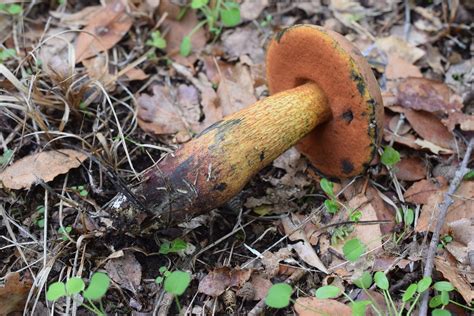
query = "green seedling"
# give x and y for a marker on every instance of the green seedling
(11, 9)
(390, 157)
(64, 232)
(221, 14)
(98, 286)
(279, 295)
(157, 40)
(469, 176)
(173, 247)
(7, 155)
(267, 21)
(40, 216)
(175, 282)
(6, 54)
(81, 190)
(353, 249)
(444, 241)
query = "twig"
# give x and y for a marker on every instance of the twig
(443, 209)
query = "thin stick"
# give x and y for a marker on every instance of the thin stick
(443, 210)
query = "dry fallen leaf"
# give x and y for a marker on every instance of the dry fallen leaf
(430, 128)
(251, 9)
(219, 279)
(427, 95)
(108, 26)
(421, 191)
(295, 166)
(369, 235)
(465, 121)
(271, 261)
(126, 271)
(236, 93)
(14, 293)
(398, 68)
(452, 273)
(43, 166)
(261, 285)
(157, 114)
(460, 209)
(303, 248)
(243, 41)
(411, 169)
(394, 45)
(312, 306)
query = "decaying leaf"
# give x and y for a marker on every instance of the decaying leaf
(428, 95)
(43, 166)
(14, 293)
(312, 306)
(394, 45)
(465, 121)
(461, 208)
(398, 68)
(261, 285)
(243, 41)
(125, 271)
(451, 272)
(430, 128)
(219, 279)
(105, 29)
(411, 169)
(237, 92)
(251, 9)
(421, 191)
(271, 261)
(303, 248)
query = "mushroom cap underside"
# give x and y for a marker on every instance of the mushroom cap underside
(343, 146)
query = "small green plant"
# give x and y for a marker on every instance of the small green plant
(331, 204)
(279, 295)
(12, 9)
(267, 21)
(64, 232)
(172, 247)
(157, 40)
(40, 216)
(353, 249)
(81, 190)
(390, 157)
(7, 154)
(221, 14)
(175, 282)
(444, 241)
(469, 176)
(6, 54)
(98, 286)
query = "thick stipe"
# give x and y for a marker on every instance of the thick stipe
(212, 168)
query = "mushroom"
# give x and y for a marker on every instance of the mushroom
(324, 98)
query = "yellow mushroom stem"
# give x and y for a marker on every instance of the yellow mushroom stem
(214, 167)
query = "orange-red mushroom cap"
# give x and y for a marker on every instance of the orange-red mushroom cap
(345, 145)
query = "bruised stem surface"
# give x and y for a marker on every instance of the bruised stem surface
(215, 166)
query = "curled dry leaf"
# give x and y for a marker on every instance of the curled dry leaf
(312, 306)
(396, 46)
(465, 121)
(105, 29)
(236, 93)
(461, 208)
(430, 128)
(43, 166)
(428, 95)
(421, 191)
(125, 271)
(411, 169)
(452, 273)
(216, 282)
(157, 113)
(243, 41)
(251, 9)
(14, 293)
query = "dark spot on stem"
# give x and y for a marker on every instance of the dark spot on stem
(220, 187)
(348, 116)
(347, 166)
(262, 155)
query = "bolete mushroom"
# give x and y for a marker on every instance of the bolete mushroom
(324, 97)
